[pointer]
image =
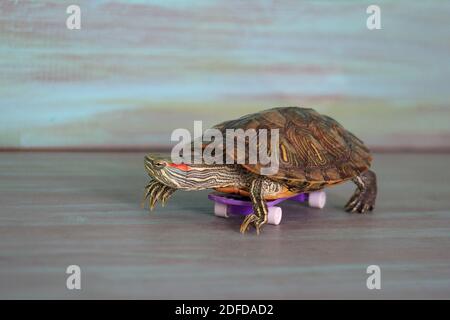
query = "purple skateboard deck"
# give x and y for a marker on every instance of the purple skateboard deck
(226, 204)
(241, 205)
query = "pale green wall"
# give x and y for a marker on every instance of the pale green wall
(139, 69)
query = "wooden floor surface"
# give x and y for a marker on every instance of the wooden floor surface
(61, 209)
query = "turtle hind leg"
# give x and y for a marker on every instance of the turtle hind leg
(363, 199)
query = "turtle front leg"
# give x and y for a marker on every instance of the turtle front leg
(363, 199)
(259, 216)
(157, 191)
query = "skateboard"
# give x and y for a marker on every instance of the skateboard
(229, 204)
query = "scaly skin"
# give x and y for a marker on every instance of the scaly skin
(363, 199)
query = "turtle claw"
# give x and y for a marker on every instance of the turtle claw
(252, 220)
(157, 191)
(360, 202)
(352, 202)
(363, 200)
(148, 190)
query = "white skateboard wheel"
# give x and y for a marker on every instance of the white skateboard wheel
(220, 210)
(274, 216)
(317, 199)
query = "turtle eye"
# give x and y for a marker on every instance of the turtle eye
(159, 164)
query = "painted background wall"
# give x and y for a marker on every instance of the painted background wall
(139, 69)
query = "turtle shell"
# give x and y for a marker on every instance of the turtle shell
(312, 147)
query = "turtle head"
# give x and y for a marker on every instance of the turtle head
(167, 172)
(190, 176)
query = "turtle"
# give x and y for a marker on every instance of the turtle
(315, 152)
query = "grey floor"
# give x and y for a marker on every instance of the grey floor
(59, 209)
